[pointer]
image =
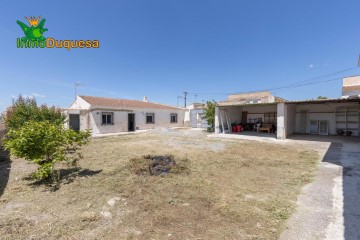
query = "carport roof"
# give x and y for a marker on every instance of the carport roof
(280, 100)
(246, 102)
(320, 101)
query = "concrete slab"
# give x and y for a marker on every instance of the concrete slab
(252, 136)
(329, 207)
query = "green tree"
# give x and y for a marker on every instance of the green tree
(209, 113)
(322, 97)
(45, 144)
(26, 109)
(37, 133)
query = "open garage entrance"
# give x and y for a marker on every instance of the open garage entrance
(250, 119)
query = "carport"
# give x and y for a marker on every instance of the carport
(247, 116)
(321, 117)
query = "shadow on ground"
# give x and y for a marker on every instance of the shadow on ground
(344, 152)
(65, 176)
(5, 166)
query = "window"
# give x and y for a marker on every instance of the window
(107, 118)
(150, 118)
(270, 117)
(173, 118)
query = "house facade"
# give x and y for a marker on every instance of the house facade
(351, 87)
(110, 115)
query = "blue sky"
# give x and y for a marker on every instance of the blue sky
(160, 48)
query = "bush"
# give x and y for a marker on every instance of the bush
(45, 143)
(26, 109)
(209, 113)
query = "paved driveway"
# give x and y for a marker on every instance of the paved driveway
(329, 207)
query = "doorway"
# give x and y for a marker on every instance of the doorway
(131, 122)
(74, 122)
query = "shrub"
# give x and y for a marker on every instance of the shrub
(45, 143)
(26, 109)
(209, 113)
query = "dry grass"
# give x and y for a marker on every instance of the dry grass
(225, 190)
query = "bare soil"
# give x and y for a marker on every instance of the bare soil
(227, 189)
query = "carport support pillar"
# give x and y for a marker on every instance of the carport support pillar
(281, 121)
(217, 122)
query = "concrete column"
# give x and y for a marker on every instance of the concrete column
(281, 121)
(217, 122)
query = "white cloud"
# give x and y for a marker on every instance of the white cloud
(28, 96)
(38, 95)
(311, 65)
(31, 96)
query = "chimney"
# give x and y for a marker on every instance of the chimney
(145, 99)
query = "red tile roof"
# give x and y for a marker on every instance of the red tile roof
(124, 103)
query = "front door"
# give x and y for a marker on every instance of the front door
(74, 122)
(131, 122)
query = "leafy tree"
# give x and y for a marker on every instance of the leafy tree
(209, 113)
(45, 143)
(26, 109)
(322, 97)
(37, 133)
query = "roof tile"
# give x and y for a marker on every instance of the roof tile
(125, 103)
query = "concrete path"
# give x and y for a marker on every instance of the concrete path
(329, 207)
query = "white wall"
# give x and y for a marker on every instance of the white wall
(80, 103)
(324, 111)
(258, 111)
(281, 121)
(350, 93)
(196, 120)
(234, 113)
(217, 119)
(162, 120)
(291, 119)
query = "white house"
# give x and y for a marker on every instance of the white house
(194, 116)
(111, 115)
(351, 87)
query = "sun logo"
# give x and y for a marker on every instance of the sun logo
(33, 21)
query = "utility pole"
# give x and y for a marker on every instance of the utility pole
(185, 96)
(195, 97)
(178, 100)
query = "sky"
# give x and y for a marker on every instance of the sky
(161, 48)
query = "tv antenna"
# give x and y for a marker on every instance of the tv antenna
(77, 84)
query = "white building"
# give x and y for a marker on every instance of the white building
(194, 116)
(321, 116)
(351, 87)
(110, 115)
